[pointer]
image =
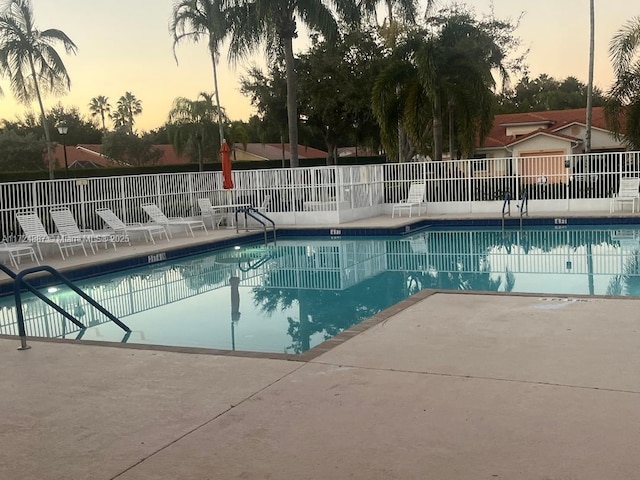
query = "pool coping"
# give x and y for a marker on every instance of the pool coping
(325, 346)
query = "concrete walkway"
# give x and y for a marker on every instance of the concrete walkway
(455, 386)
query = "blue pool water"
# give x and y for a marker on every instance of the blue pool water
(294, 295)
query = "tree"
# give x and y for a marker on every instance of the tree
(30, 60)
(191, 128)
(406, 8)
(126, 148)
(81, 129)
(449, 67)
(273, 22)
(623, 102)
(20, 152)
(193, 19)
(268, 93)
(99, 107)
(336, 83)
(587, 138)
(547, 93)
(127, 108)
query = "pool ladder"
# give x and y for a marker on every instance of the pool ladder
(258, 216)
(19, 283)
(523, 206)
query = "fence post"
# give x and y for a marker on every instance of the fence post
(470, 184)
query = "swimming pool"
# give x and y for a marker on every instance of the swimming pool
(291, 296)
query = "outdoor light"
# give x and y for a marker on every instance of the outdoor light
(63, 129)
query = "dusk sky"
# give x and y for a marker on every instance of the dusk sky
(124, 45)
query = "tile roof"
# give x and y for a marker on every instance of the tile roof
(549, 121)
(273, 151)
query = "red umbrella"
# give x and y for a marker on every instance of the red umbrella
(225, 151)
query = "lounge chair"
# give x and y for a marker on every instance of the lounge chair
(68, 228)
(629, 192)
(415, 198)
(17, 250)
(207, 210)
(35, 233)
(119, 227)
(158, 216)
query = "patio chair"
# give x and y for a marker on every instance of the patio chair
(266, 204)
(629, 192)
(17, 250)
(415, 198)
(119, 227)
(207, 210)
(158, 216)
(68, 228)
(35, 233)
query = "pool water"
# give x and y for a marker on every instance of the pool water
(293, 295)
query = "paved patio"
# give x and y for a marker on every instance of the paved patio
(443, 386)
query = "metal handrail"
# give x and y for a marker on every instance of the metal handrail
(251, 211)
(524, 205)
(43, 297)
(18, 283)
(506, 205)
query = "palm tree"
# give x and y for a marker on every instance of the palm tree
(193, 19)
(28, 56)
(407, 8)
(587, 137)
(127, 108)
(623, 104)
(432, 72)
(99, 106)
(191, 126)
(273, 22)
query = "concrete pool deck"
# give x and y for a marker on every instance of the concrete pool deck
(443, 386)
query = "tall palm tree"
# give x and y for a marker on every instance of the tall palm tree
(432, 72)
(274, 23)
(29, 58)
(407, 9)
(623, 104)
(191, 126)
(99, 106)
(127, 108)
(592, 21)
(193, 19)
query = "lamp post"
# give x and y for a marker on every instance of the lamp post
(63, 129)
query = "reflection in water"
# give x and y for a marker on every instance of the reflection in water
(322, 286)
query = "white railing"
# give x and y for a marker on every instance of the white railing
(335, 194)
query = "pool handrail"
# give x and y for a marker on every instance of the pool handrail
(17, 292)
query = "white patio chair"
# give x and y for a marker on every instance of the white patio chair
(629, 192)
(68, 228)
(207, 210)
(17, 250)
(119, 227)
(158, 216)
(266, 204)
(415, 198)
(35, 233)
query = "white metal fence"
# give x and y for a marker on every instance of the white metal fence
(333, 194)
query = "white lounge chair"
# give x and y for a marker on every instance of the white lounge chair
(629, 192)
(68, 228)
(415, 198)
(158, 216)
(207, 210)
(35, 233)
(17, 250)
(118, 226)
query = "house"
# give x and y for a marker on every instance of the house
(551, 135)
(272, 151)
(90, 156)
